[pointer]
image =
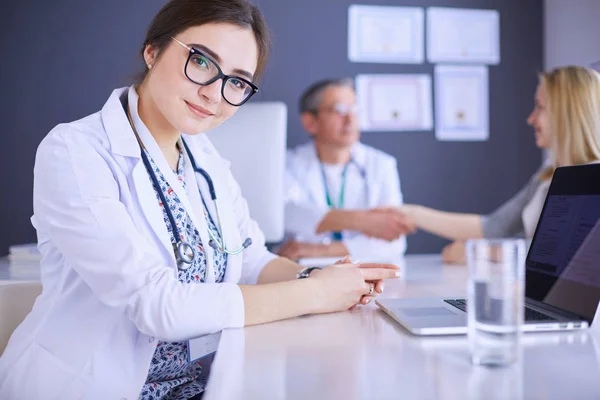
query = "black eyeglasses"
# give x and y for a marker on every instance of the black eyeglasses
(202, 70)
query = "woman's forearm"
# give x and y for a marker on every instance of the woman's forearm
(279, 294)
(454, 226)
(281, 300)
(279, 269)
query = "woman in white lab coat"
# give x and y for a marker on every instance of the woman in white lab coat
(140, 252)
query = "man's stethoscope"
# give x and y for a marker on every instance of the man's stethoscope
(184, 252)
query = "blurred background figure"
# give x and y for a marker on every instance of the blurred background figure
(336, 186)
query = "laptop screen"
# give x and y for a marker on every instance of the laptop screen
(563, 264)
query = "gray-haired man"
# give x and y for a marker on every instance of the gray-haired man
(336, 185)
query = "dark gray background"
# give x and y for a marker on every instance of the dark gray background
(62, 58)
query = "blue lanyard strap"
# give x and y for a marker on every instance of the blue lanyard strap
(340, 204)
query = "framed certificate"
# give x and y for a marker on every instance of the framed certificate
(461, 103)
(395, 102)
(383, 34)
(463, 36)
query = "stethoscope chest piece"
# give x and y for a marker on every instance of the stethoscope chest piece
(185, 255)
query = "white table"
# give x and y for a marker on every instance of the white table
(363, 354)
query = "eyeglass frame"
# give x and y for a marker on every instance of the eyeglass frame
(351, 109)
(220, 74)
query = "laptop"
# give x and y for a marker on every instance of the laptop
(562, 268)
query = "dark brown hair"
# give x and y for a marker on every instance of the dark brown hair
(178, 15)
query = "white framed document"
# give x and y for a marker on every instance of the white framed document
(385, 34)
(394, 102)
(461, 102)
(457, 35)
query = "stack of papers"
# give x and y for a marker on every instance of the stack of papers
(24, 253)
(24, 271)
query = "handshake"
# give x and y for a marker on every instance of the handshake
(387, 223)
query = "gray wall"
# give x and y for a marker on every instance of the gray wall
(62, 58)
(571, 32)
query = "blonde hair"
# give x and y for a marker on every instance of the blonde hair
(573, 95)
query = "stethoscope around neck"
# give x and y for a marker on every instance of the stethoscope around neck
(184, 252)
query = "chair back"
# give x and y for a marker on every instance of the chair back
(16, 301)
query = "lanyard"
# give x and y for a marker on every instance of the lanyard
(340, 204)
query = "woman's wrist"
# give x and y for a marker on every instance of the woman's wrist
(314, 298)
(414, 212)
(314, 272)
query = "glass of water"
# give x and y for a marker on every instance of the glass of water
(495, 300)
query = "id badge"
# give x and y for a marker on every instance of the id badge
(202, 346)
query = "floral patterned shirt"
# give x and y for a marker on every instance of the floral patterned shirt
(171, 376)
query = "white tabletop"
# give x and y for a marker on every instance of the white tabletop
(363, 354)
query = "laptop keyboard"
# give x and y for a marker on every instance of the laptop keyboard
(530, 315)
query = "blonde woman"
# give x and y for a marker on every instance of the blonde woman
(566, 121)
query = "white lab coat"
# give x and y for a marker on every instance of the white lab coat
(110, 288)
(371, 181)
